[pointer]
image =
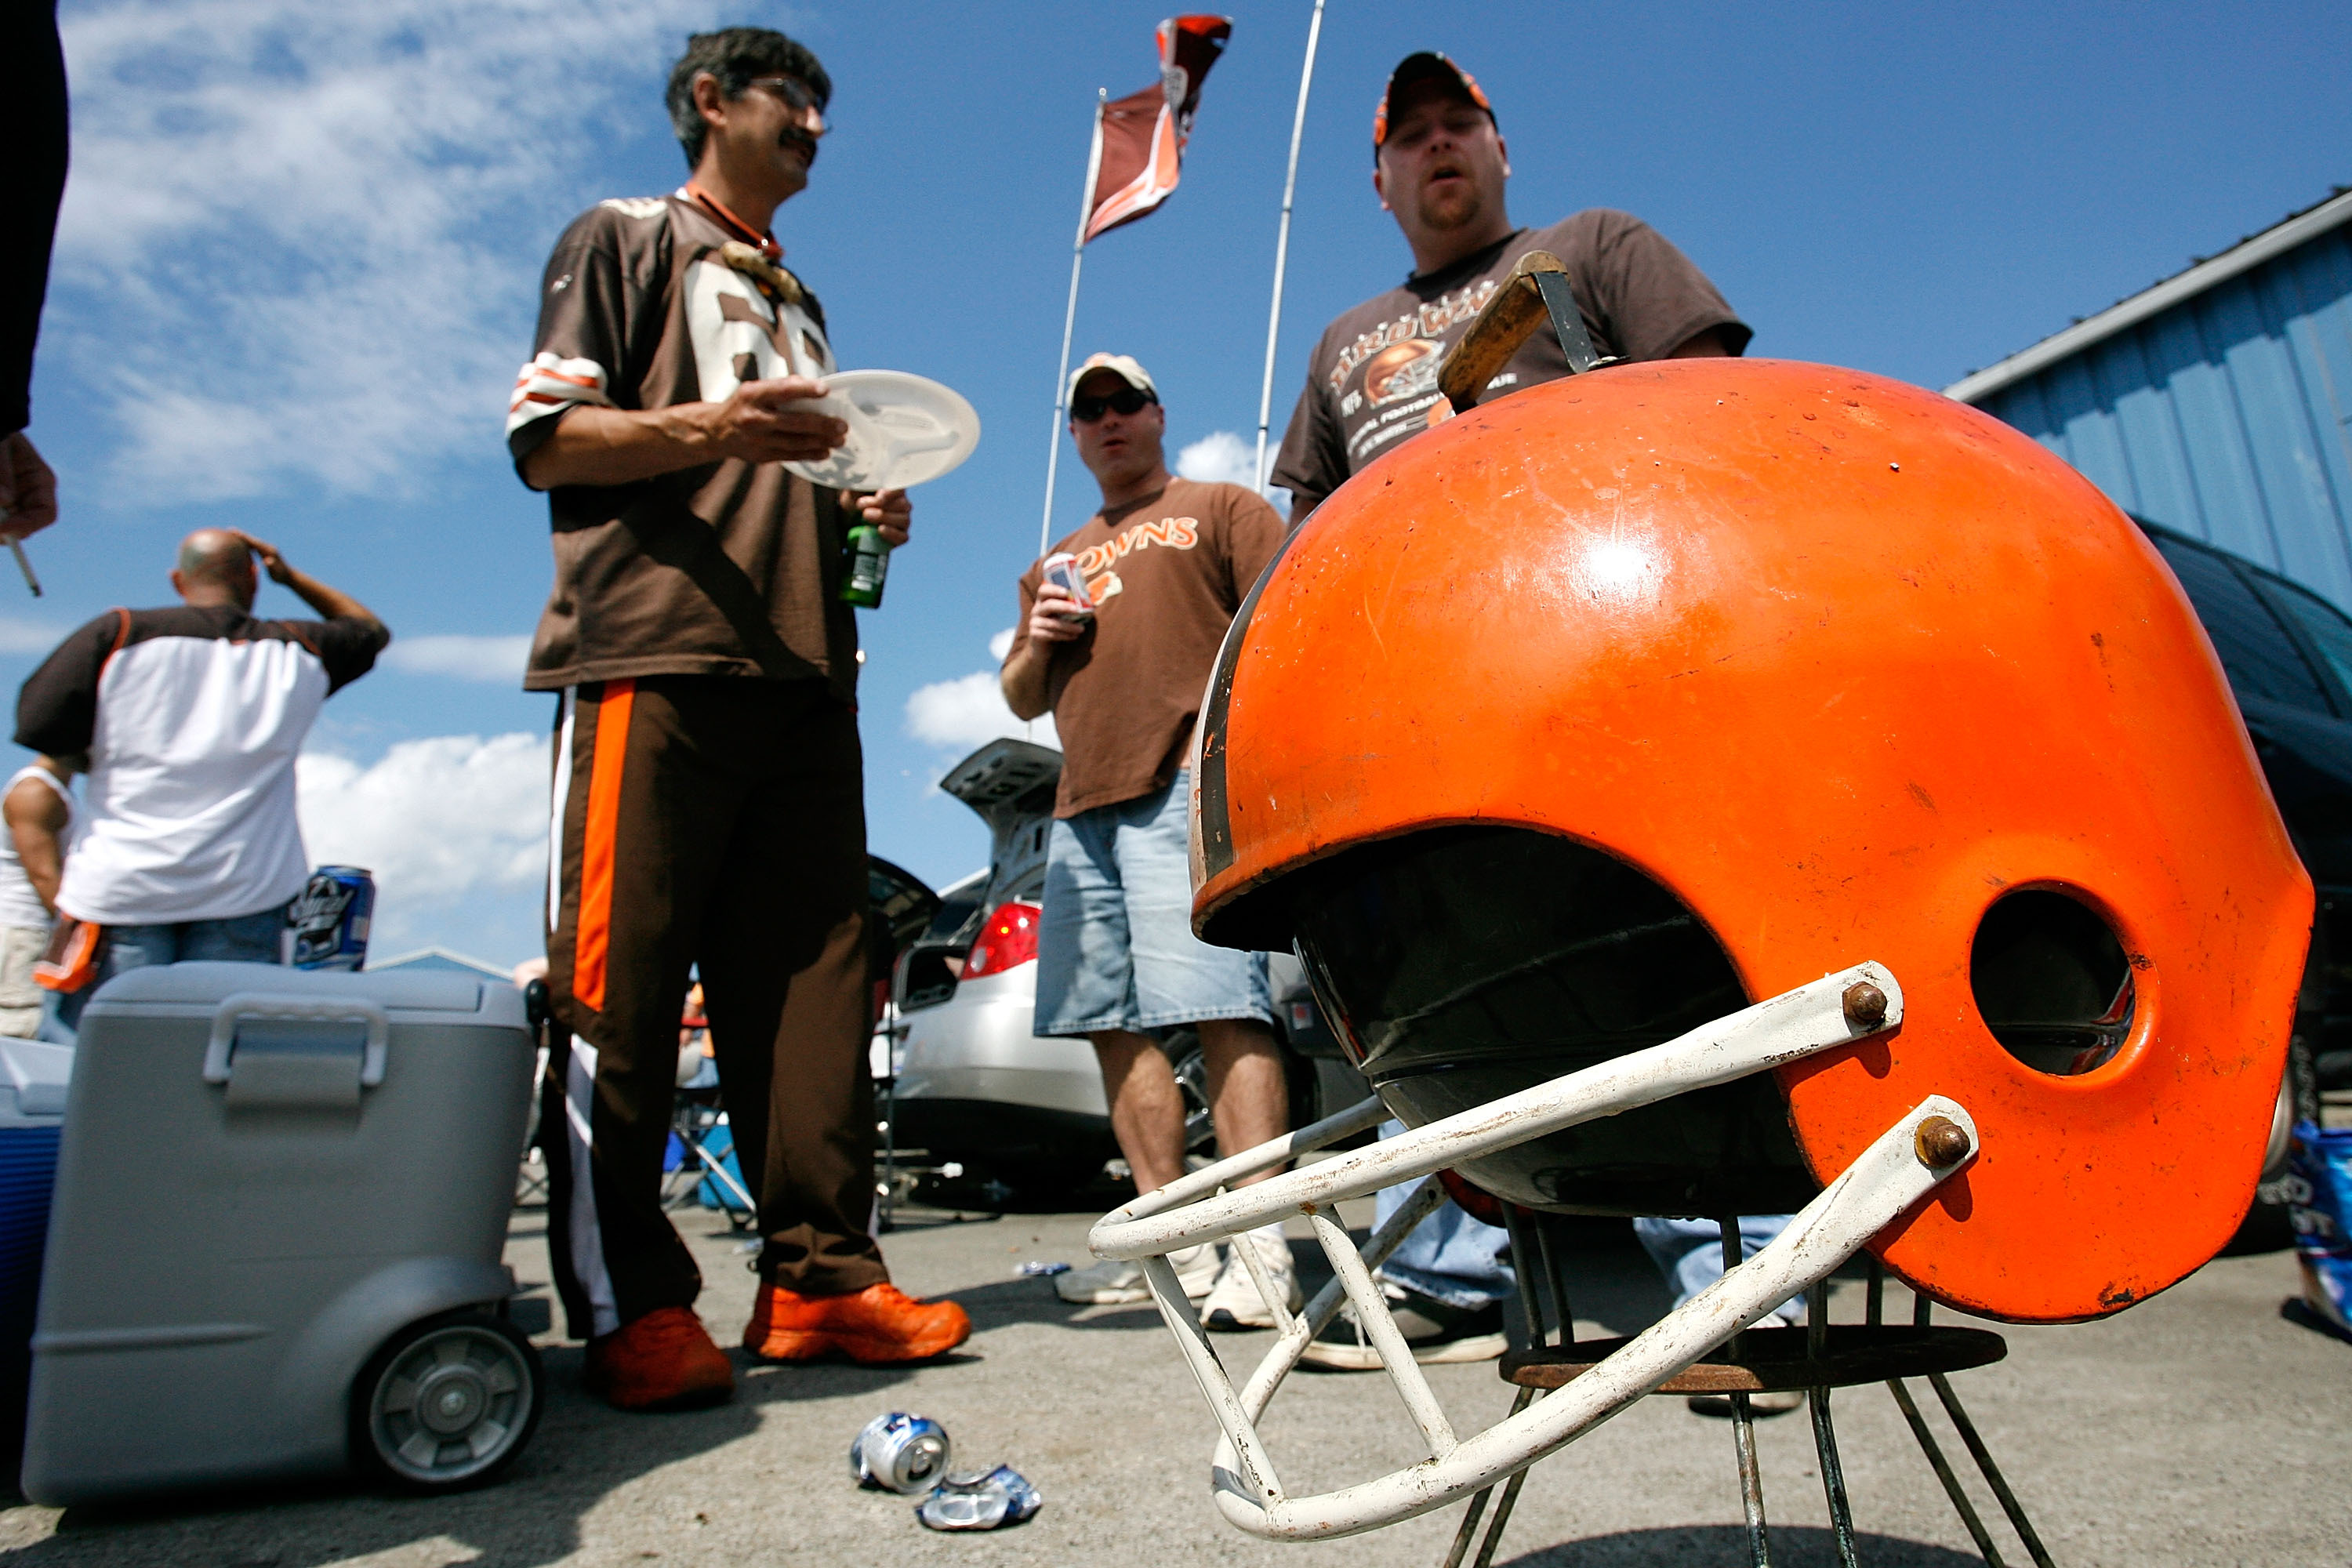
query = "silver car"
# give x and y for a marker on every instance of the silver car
(974, 1085)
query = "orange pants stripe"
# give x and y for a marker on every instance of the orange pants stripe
(594, 941)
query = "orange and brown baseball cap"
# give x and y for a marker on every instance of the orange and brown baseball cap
(1412, 68)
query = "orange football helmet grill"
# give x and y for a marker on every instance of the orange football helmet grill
(1671, 688)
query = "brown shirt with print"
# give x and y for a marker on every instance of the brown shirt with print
(1374, 375)
(731, 568)
(1166, 574)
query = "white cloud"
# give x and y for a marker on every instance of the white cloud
(302, 242)
(496, 658)
(1221, 458)
(968, 711)
(446, 825)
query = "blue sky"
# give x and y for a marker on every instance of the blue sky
(301, 248)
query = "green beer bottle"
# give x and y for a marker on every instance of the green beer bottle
(869, 564)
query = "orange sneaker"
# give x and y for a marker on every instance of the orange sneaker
(878, 1325)
(662, 1361)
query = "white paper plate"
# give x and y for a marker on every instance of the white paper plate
(903, 430)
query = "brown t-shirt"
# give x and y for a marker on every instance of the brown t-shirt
(1166, 576)
(1374, 373)
(732, 568)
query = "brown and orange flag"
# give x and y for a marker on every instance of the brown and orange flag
(1140, 139)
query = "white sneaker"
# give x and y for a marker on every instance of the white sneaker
(1234, 1304)
(1432, 1329)
(1116, 1283)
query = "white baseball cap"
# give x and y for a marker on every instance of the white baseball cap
(1120, 366)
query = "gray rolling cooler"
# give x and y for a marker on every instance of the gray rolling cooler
(281, 1203)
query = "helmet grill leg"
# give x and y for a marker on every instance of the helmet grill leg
(1892, 1175)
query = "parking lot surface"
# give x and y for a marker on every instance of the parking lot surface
(2197, 1428)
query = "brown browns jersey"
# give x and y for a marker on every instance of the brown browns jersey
(1374, 376)
(1167, 574)
(730, 568)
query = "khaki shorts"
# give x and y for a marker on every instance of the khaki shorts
(20, 999)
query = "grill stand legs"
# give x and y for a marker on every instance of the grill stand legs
(1838, 1358)
(1817, 1403)
(1743, 1429)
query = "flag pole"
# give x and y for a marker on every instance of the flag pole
(1282, 246)
(1070, 316)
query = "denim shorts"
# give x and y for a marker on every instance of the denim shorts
(1115, 947)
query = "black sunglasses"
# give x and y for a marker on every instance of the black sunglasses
(1127, 400)
(795, 93)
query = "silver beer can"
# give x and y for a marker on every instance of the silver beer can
(976, 1502)
(900, 1453)
(331, 918)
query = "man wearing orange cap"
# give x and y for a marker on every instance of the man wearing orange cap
(1440, 166)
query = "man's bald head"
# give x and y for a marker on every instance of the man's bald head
(215, 567)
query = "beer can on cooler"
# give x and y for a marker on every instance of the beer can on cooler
(900, 1453)
(331, 918)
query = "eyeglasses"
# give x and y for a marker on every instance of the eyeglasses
(1128, 400)
(792, 93)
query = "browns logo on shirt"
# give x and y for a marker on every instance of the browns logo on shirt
(1166, 574)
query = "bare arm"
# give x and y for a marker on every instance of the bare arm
(332, 603)
(36, 824)
(1027, 676)
(758, 423)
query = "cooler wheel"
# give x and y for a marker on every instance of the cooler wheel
(448, 1403)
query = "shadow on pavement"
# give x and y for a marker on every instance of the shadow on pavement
(1693, 1546)
(585, 1453)
(1032, 1300)
(582, 1453)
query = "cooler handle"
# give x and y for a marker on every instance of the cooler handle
(320, 1009)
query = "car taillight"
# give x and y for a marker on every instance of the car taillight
(1007, 939)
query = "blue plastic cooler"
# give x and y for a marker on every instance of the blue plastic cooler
(33, 1080)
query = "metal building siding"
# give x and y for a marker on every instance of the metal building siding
(2226, 416)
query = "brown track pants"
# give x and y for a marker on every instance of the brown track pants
(715, 822)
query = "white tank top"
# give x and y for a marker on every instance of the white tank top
(19, 905)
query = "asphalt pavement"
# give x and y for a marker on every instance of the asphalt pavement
(2199, 1428)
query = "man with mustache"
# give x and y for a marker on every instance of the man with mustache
(1440, 166)
(709, 806)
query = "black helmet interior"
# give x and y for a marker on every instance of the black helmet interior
(1461, 965)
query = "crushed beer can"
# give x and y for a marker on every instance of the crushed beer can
(331, 918)
(900, 1453)
(979, 1501)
